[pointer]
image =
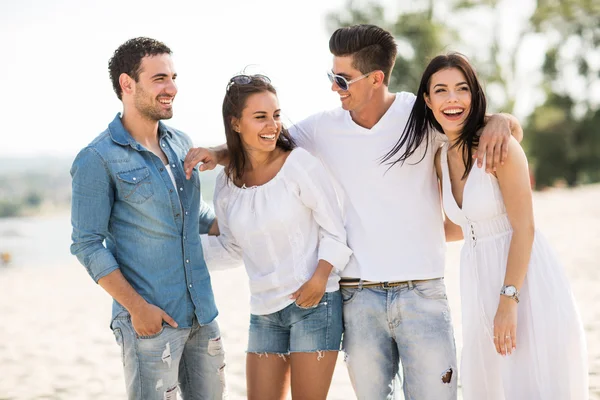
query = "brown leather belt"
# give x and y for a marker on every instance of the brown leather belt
(357, 283)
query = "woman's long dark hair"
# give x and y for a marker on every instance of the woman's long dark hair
(234, 103)
(422, 121)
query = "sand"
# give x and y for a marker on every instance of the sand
(55, 342)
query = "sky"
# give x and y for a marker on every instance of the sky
(58, 96)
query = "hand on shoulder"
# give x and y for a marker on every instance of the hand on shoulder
(515, 160)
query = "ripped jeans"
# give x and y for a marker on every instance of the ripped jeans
(191, 359)
(399, 332)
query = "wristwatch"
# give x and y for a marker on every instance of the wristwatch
(510, 291)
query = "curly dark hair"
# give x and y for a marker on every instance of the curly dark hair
(128, 57)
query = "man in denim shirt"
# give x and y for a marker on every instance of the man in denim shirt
(136, 228)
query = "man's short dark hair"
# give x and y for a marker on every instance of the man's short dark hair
(128, 59)
(371, 47)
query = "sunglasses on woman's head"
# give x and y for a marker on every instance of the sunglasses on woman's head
(246, 79)
(342, 82)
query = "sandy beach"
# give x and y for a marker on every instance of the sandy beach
(55, 341)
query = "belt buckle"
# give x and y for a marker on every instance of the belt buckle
(386, 285)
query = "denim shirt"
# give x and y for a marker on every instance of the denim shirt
(126, 214)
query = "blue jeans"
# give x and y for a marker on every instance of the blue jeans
(407, 325)
(191, 359)
(299, 330)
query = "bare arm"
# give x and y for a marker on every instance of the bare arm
(494, 139)
(513, 178)
(214, 229)
(452, 231)
(146, 318)
(515, 127)
(209, 157)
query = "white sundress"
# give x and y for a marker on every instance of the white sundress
(550, 362)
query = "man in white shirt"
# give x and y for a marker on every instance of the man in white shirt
(395, 307)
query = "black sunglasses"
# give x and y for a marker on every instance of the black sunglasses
(246, 79)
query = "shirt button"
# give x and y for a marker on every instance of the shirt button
(161, 170)
(170, 190)
(181, 189)
(186, 213)
(173, 165)
(190, 285)
(177, 215)
(163, 145)
(134, 178)
(187, 261)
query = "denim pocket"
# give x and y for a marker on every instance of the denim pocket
(119, 338)
(433, 289)
(157, 334)
(322, 302)
(135, 186)
(348, 294)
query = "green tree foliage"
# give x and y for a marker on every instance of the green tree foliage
(564, 132)
(9, 208)
(497, 66)
(33, 199)
(553, 144)
(562, 135)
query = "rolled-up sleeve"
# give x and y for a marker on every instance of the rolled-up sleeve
(206, 218)
(317, 193)
(91, 206)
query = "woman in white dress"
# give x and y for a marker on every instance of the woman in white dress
(278, 212)
(522, 335)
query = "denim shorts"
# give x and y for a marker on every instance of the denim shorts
(299, 330)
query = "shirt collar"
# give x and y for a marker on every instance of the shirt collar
(119, 134)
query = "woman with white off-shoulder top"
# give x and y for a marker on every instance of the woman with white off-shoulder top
(278, 212)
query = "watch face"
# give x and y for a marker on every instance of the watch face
(510, 290)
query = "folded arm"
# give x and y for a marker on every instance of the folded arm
(316, 191)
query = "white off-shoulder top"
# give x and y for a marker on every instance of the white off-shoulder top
(280, 230)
